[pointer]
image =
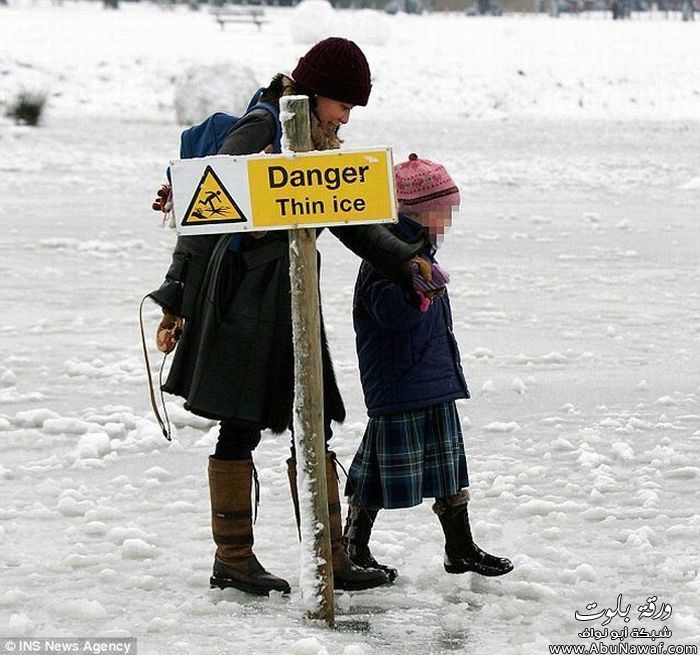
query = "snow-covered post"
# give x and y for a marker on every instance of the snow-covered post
(316, 577)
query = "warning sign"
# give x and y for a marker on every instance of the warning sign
(212, 203)
(321, 188)
(227, 193)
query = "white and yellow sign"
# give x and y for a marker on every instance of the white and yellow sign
(275, 192)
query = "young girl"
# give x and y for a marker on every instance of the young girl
(411, 376)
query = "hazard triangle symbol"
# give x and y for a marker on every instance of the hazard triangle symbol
(212, 203)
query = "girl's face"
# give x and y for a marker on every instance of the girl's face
(436, 221)
(332, 113)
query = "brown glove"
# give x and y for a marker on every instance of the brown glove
(164, 199)
(168, 332)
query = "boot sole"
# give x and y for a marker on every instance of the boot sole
(486, 572)
(218, 582)
(359, 586)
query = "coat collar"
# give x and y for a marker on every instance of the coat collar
(408, 230)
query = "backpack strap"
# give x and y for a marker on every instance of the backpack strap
(256, 103)
(274, 112)
(236, 242)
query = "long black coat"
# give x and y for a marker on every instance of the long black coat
(234, 360)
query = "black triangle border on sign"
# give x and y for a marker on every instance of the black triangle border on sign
(217, 221)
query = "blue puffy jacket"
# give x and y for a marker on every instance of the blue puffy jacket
(408, 359)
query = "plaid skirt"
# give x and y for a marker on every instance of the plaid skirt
(409, 456)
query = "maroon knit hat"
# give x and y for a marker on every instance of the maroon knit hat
(335, 68)
(422, 185)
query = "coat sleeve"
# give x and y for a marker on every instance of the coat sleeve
(386, 302)
(251, 134)
(378, 246)
(179, 292)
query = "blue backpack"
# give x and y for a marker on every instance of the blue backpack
(207, 137)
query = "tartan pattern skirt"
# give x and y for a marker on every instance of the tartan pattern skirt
(408, 456)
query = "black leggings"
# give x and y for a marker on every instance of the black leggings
(237, 442)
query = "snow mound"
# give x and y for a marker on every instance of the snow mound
(8, 378)
(366, 27)
(69, 506)
(691, 185)
(34, 418)
(308, 646)
(203, 90)
(312, 21)
(93, 445)
(138, 549)
(81, 609)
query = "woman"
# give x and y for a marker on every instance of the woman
(234, 361)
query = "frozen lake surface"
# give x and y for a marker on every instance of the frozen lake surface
(575, 288)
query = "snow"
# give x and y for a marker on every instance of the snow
(202, 90)
(575, 277)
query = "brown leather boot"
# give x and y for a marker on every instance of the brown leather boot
(235, 565)
(346, 575)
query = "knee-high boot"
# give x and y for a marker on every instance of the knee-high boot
(346, 575)
(461, 553)
(235, 564)
(358, 529)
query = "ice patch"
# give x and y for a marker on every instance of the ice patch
(64, 425)
(683, 473)
(496, 426)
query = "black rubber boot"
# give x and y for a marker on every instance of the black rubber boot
(358, 529)
(461, 553)
(346, 574)
(235, 564)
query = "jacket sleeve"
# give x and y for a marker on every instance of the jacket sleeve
(386, 302)
(378, 246)
(179, 292)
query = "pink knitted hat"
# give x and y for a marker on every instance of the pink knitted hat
(422, 185)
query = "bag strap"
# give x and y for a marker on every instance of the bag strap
(255, 103)
(164, 424)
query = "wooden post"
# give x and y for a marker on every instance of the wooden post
(308, 385)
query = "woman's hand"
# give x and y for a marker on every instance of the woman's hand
(168, 332)
(164, 199)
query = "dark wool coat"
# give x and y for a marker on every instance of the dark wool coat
(408, 359)
(234, 360)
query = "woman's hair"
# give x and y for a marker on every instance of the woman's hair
(282, 85)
